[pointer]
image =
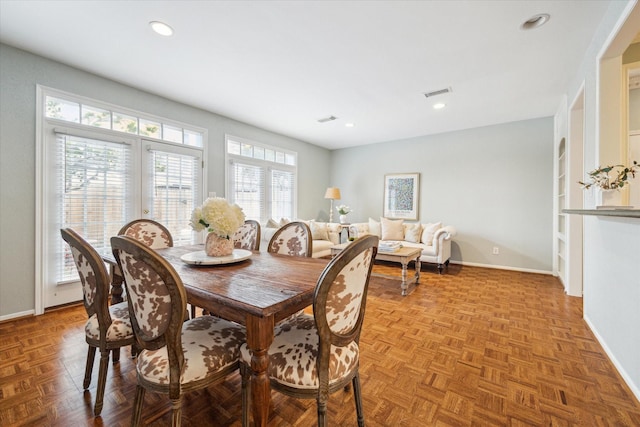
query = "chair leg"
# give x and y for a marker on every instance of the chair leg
(322, 408)
(102, 379)
(115, 355)
(135, 349)
(91, 355)
(357, 395)
(137, 406)
(246, 393)
(176, 412)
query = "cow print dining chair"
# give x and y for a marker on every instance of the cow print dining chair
(109, 326)
(314, 355)
(149, 232)
(177, 356)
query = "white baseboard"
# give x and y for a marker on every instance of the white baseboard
(627, 379)
(16, 315)
(503, 267)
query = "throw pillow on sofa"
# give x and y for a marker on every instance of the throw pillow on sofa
(412, 233)
(272, 224)
(284, 221)
(374, 227)
(392, 230)
(428, 231)
(319, 230)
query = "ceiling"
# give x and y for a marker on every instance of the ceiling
(283, 65)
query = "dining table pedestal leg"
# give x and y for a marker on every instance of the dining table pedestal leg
(116, 284)
(259, 339)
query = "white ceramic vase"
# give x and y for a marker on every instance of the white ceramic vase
(609, 197)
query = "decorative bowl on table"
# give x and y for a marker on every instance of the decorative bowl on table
(201, 258)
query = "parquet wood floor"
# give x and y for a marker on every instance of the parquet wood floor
(472, 347)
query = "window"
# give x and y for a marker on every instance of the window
(99, 167)
(173, 190)
(105, 117)
(261, 179)
(93, 187)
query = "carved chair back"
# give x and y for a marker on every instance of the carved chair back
(157, 300)
(93, 277)
(340, 299)
(150, 232)
(248, 236)
(292, 239)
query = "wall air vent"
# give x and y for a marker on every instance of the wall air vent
(437, 92)
(327, 119)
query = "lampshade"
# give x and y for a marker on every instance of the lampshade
(332, 193)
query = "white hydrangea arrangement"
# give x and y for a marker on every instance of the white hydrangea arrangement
(343, 209)
(217, 216)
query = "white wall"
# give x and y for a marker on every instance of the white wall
(19, 73)
(611, 245)
(612, 290)
(493, 184)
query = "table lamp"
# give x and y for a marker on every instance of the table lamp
(332, 193)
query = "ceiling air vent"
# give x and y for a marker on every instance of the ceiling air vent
(437, 92)
(327, 119)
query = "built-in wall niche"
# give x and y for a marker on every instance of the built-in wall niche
(631, 67)
(617, 64)
(561, 201)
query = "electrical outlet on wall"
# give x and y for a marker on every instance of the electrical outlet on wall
(496, 250)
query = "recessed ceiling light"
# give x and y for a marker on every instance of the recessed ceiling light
(349, 125)
(535, 21)
(161, 28)
(439, 106)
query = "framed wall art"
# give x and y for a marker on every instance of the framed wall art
(401, 194)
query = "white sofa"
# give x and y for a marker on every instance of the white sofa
(433, 238)
(324, 234)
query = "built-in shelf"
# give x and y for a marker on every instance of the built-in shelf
(625, 213)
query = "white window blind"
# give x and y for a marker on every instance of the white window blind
(93, 180)
(247, 188)
(175, 188)
(282, 191)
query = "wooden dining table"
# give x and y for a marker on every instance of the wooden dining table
(256, 292)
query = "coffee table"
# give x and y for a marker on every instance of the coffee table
(403, 255)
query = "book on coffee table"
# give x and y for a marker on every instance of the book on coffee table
(389, 246)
